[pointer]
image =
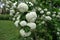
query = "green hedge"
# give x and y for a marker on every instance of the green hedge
(5, 17)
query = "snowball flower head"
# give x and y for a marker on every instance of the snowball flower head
(41, 11)
(23, 23)
(58, 16)
(31, 17)
(58, 33)
(16, 23)
(54, 15)
(54, 12)
(24, 34)
(48, 18)
(45, 9)
(32, 25)
(14, 19)
(48, 13)
(23, 7)
(28, 34)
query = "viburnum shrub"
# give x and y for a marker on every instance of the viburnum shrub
(35, 20)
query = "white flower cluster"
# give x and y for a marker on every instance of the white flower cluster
(23, 23)
(24, 34)
(16, 23)
(31, 17)
(48, 13)
(32, 25)
(23, 7)
(45, 14)
(41, 11)
(47, 18)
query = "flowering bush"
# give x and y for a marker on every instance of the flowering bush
(37, 21)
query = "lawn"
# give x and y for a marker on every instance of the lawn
(8, 31)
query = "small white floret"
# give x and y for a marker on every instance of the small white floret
(41, 11)
(48, 13)
(48, 18)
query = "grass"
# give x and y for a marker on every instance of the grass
(8, 31)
